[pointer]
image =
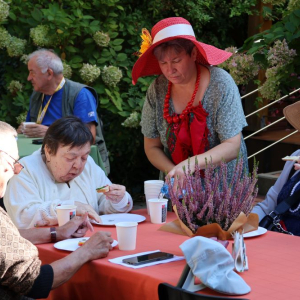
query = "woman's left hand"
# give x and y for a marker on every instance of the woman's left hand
(82, 208)
(178, 173)
(116, 193)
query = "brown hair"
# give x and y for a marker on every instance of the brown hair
(67, 131)
(178, 45)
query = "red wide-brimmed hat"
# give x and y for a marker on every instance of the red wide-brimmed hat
(167, 30)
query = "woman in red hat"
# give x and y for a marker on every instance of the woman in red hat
(192, 108)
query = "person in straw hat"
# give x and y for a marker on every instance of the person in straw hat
(286, 185)
(192, 109)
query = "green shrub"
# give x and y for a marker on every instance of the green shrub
(103, 36)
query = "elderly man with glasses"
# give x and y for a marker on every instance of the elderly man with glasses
(21, 272)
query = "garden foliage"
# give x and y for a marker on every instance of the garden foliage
(96, 40)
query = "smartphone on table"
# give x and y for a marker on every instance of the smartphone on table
(147, 258)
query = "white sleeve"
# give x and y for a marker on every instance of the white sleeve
(28, 204)
(107, 207)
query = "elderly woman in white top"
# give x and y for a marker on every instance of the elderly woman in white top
(62, 172)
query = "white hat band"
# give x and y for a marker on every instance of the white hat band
(174, 30)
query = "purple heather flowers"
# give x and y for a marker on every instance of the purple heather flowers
(207, 199)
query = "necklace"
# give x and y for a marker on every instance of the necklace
(175, 118)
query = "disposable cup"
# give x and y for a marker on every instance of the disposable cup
(160, 182)
(65, 213)
(126, 234)
(152, 190)
(158, 210)
(150, 196)
(27, 123)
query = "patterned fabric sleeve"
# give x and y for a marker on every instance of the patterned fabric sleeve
(19, 262)
(152, 114)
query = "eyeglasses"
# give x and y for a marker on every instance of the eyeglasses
(17, 167)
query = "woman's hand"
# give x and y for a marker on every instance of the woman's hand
(98, 245)
(178, 173)
(75, 228)
(82, 208)
(116, 193)
(297, 165)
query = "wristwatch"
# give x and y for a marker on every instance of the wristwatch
(53, 234)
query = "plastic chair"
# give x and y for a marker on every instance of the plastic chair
(169, 292)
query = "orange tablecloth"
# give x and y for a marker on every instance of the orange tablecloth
(274, 267)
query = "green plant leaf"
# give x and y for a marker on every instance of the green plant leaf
(76, 59)
(124, 113)
(121, 57)
(117, 48)
(37, 15)
(88, 41)
(290, 27)
(71, 49)
(117, 42)
(12, 16)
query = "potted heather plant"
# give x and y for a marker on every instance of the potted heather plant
(212, 200)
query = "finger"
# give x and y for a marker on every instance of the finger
(84, 217)
(77, 234)
(94, 216)
(89, 225)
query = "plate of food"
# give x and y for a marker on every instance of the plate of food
(112, 219)
(259, 231)
(290, 158)
(73, 244)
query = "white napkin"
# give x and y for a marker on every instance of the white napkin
(213, 265)
(239, 252)
(118, 260)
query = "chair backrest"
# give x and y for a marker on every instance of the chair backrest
(169, 292)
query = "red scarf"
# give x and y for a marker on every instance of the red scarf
(189, 136)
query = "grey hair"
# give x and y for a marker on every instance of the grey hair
(47, 59)
(178, 45)
(6, 131)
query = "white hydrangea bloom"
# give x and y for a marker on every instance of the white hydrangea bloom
(67, 72)
(16, 46)
(24, 59)
(102, 39)
(4, 38)
(15, 86)
(89, 73)
(111, 75)
(132, 121)
(41, 37)
(4, 10)
(22, 117)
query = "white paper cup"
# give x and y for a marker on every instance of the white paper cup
(27, 123)
(65, 213)
(152, 190)
(126, 234)
(150, 196)
(160, 182)
(158, 210)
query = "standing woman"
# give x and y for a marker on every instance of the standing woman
(192, 109)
